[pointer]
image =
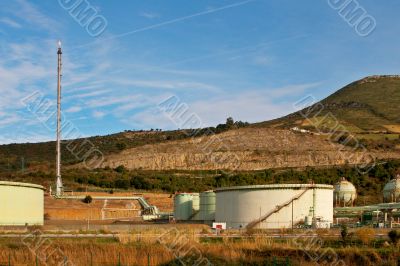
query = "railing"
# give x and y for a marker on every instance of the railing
(277, 209)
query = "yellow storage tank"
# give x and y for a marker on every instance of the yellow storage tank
(21, 204)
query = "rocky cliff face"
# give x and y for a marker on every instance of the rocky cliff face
(243, 149)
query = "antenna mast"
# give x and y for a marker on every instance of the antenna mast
(59, 185)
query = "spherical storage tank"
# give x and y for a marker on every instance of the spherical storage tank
(273, 206)
(21, 204)
(344, 193)
(207, 206)
(391, 191)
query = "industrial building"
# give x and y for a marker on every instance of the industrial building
(384, 214)
(21, 204)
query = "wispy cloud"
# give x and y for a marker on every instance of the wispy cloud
(262, 60)
(73, 109)
(10, 22)
(87, 95)
(172, 21)
(250, 105)
(34, 17)
(98, 114)
(149, 15)
(292, 90)
(168, 84)
(9, 119)
(109, 101)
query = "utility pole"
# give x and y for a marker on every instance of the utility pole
(59, 185)
(22, 164)
(292, 215)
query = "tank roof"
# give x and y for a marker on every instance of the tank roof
(19, 184)
(275, 186)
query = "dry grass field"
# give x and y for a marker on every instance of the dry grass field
(393, 128)
(168, 244)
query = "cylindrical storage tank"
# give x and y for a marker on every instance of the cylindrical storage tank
(183, 206)
(344, 193)
(195, 202)
(21, 204)
(195, 215)
(207, 206)
(308, 220)
(391, 191)
(273, 206)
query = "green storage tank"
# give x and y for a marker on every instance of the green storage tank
(207, 206)
(195, 207)
(183, 206)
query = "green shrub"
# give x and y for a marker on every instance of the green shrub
(88, 199)
(394, 236)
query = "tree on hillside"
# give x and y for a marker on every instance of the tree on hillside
(230, 122)
(120, 169)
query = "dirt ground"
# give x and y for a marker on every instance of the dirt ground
(68, 209)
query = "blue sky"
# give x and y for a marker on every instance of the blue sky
(251, 60)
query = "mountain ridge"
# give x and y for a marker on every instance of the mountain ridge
(361, 107)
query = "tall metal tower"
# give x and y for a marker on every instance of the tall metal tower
(59, 184)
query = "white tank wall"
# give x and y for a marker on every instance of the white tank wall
(238, 207)
(21, 204)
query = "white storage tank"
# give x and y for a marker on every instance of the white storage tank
(344, 193)
(273, 206)
(21, 204)
(207, 206)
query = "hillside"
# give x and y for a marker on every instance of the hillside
(368, 109)
(42, 155)
(370, 105)
(243, 149)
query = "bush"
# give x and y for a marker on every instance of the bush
(394, 236)
(46, 216)
(120, 169)
(122, 183)
(120, 146)
(366, 235)
(346, 236)
(88, 199)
